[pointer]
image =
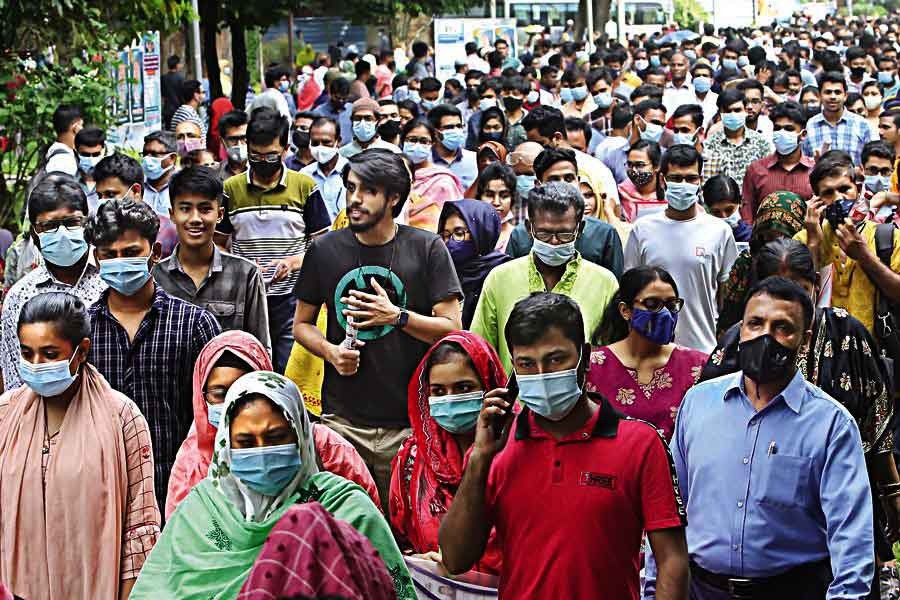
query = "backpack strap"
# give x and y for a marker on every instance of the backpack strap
(884, 242)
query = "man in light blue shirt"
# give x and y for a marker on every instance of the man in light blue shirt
(328, 164)
(338, 108)
(772, 471)
(449, 152)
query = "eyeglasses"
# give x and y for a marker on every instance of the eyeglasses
(274, 157)
(70, 223)
(563, 237)
(458, 233)
(683, 179)
(419, 140)
(655, 304)
(876, 171)
(366, 118)
(236, 139)
(215, 395)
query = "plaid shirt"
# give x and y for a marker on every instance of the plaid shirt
(851, 133)
(155, 369)
(722, 156)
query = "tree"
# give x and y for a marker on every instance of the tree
(688, 13)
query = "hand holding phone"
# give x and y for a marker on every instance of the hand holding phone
(492, 428)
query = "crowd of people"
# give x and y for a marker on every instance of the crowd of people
(600, 322)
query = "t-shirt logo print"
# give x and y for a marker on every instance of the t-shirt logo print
(360, 278)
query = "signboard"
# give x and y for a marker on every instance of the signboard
(451, 36)
(137, 104)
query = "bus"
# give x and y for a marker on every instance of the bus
(641, 16)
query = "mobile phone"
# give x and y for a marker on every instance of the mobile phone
(512, 393)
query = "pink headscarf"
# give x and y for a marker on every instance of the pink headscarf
(64, 541)
(195, 454)
(309, 552)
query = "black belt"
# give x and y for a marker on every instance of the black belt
(747, 588)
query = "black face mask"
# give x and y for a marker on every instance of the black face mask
(265, 170)
(389, 129)
(812, 110)
(472, 93)
(512, 104)
(857, 72)
(300, 139)
(764, 360)
(837, 211)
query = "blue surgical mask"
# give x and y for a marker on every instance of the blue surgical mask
(87, 163)
(63, 247)
(641, 64)
(533, 97)
(743, 61)
(550, 395)
(785, 141)
(414, 96)
(400, 93)
(658, 327)
(553, 256)
(877, 183)
(684, 138)
(690, 55)
(364, 130)
(579, 93)
(603, 100)
(462, 251)
(729, 63)
(524, 184)
(652, 132)
(284, 86)
(267, 469)
(681, 196)
(733, 219)
(453, 139)
(417, 153)
(214, 413)
(428, 104)
(734, 121)
(457, 413)
(654, 60)
(885, 77)
(702, 84)
(153, 168)
(47, 379)
(486, 103)
(565, 95)
(125, 275)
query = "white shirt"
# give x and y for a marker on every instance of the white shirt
(709, 106)
(674, 96)
(158, 200)
(331, 186)
(61, 159)
(698, 253)
(548, 98)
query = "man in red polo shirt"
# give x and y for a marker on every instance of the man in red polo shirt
(572, 491)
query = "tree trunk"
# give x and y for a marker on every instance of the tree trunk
(580, 18)
(209, 20)
(601, 16)
(240, 74)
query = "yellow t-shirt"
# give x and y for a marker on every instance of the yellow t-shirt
(851, 287)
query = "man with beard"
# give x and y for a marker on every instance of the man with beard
(789, 512)
(400, 288)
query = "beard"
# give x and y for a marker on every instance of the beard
(368, 220)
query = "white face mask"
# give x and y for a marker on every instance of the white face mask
(323, 154)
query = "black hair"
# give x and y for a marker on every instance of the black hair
(382, 169)
(751, 84)
(516, 83)
(362, 67)
(471, 48)
(64, 116)
(493, 171)
(871, 83)
(66, 311)
(785, 289)
(784, 254)
(230, 360)
(645, 106)
(266, 126)
(173, 61)
(413, 123)
(681, 155)
(90, 136)
(120, 165)
(319, 121)
(654, 153)
(440, 111)
(721, 188)
(879, 149)
(493, 113)
(832, 77)
(198, 181)
(308, 114)
(442, 353)
(547, 120)
(411, 106)
(339, 86)
(115, 217)
(419, 49)
(700, 65)
(491, 83)
(429, 84)
(189, 87)
(791, 110)
(853, 53)
(55, 191)
(833, 163)
(694, 111)
(727, 98)
(622, 116)
(613, 327)
(556, 197)
(852, 98)
(579, 124)
(531, 317)
(232, 119)
(166, 138)
(549, 157)
(274, 74)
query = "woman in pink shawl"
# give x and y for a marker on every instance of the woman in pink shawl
(79, 516)
(221, 362)
(311, 554)
(432, 184)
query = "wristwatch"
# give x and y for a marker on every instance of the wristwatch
(403, 318)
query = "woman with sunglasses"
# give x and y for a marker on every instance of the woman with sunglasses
(640, 370)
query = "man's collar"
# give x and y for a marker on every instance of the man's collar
(338, 167)
(793, 394)
(174, 264)
(435, 155)
(606, 426)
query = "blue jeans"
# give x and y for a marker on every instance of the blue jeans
(281, 325)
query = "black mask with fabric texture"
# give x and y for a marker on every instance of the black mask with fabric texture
(300, 138)
(512, 104)
(764, 360)
(264, 169)
(389, 129)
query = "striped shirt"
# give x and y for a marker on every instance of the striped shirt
(267, 225)
(155, 369)
(851, 133)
